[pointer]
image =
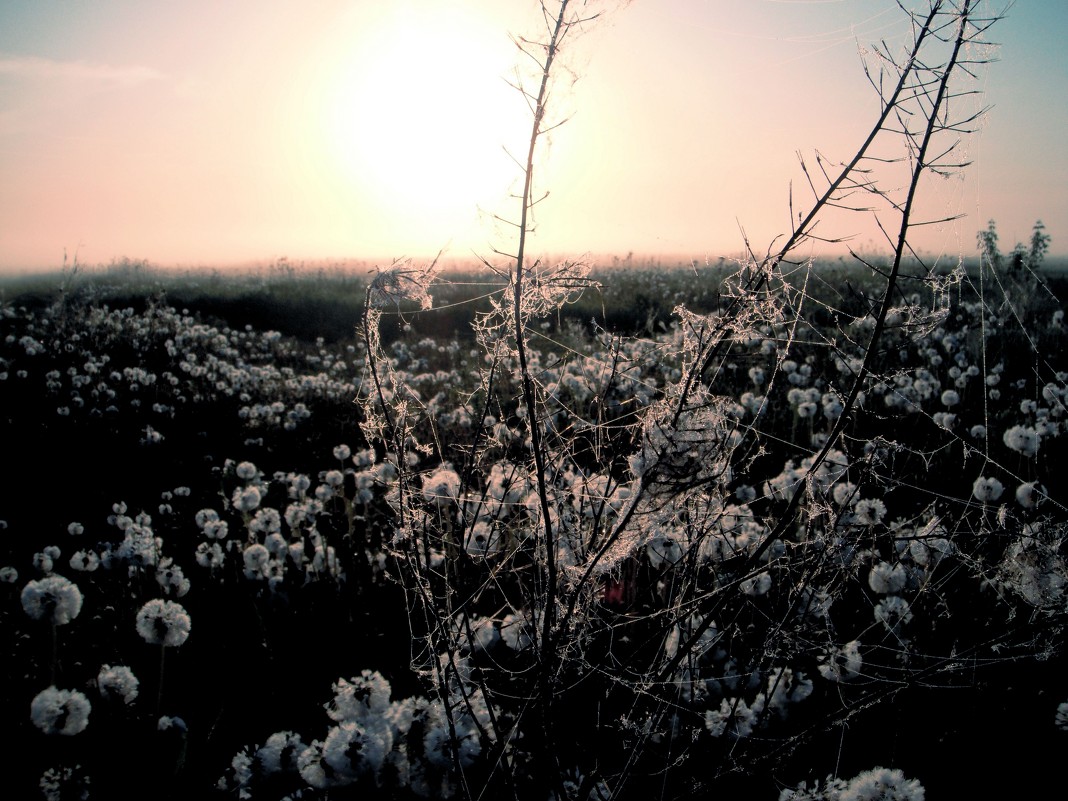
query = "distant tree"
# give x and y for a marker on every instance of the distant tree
(1025, 258)
(988, 245)
(1039, 245)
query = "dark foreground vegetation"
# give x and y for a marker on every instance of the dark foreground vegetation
(165, 442)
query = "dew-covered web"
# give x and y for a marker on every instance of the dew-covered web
(718, 541)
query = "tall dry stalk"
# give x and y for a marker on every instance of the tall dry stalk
(556, 536)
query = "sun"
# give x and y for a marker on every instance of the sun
(421, 116)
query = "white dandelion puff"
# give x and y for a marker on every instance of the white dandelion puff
(893, 611)
(869, 511)
(280, 752)
(1022, 439)
(1030, 494)
(54, 598)
(987, 490)
(118, 682)
(842, 664)
(247, 499)
(886, 579)
(246, 471)
(255, 557)
(63, 712)
(882, 784)
(442, 486)
(162, 622)
(1061, 719)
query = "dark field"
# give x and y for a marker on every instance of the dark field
(220, 444)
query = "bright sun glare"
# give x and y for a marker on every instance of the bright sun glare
(420, 114)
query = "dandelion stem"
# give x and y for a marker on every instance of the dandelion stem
(55, 654)
(159, 692)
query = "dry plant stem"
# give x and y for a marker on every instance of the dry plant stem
(520, 333)
(900, 248)
(557, 654)
(372, 364)
(932, 125)
(759, 279)
(547, 651)
(530, 403)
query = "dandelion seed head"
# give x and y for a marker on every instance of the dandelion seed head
(205, 516)
(1061, 718)
(85, 561)
(279, 753)
(1022, 439)
(64, 712)
(946, 420)
(869, 511)
(247, 499)
(515, 632)
(57, 784)
(893, 611)
(756, 585)
(441, 487)
(882, 784)
(118, 682)
(162, 622)
(246, 471)
(483, 539)
(171, 579)
(832, 407)
(43, 562)
(54, 598)
(168, 722)
(266, 520)
(987, 490)
(734, 716)
(255, 557)
(1030, 494)
(887, 579)
(951, 398)
(842, 663)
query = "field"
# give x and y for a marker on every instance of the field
(290, 534)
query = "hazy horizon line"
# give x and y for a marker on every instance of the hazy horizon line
(630, 259)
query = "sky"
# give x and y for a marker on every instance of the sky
(205, 133)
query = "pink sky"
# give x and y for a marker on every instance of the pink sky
(203, 133)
